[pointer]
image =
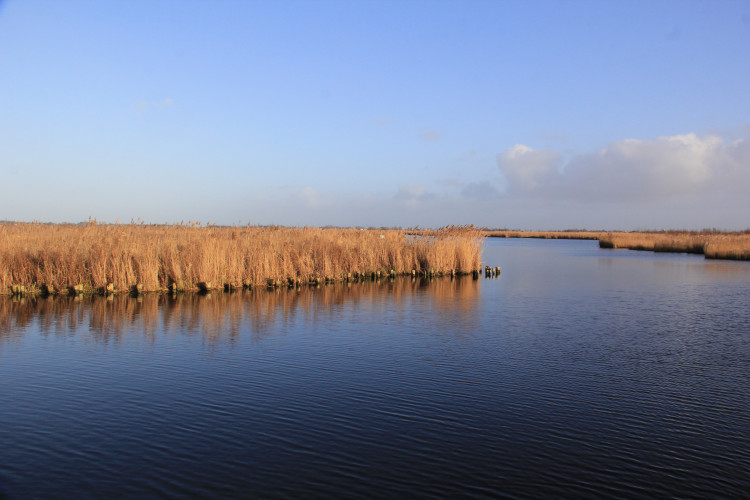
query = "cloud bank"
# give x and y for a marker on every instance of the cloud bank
(631, 170)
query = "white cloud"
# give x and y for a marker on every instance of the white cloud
(527, 169)
(309, 196)
(631, 169)
(412, 192)
(144, 106)
(431, 135)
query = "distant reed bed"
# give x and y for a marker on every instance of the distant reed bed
(714, 245)
(118, 257)
(562, 235)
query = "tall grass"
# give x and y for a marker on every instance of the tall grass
(156, 257)
(714, 245)
(734, 248)
(562, 235)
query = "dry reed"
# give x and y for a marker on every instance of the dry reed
(712, 243)
(561, 235)
(58, 257)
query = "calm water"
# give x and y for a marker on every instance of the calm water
(580, 372)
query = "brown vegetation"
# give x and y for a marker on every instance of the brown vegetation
(61, 257)
(679, 242)
(711, 243)
(734, 248)
(562, 235)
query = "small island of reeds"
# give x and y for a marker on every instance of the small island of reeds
(84, 258)
(712, 243)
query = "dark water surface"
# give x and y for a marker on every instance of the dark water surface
(580, 372)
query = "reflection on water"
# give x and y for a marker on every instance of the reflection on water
(221, 317)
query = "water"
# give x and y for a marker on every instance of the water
(580, 372)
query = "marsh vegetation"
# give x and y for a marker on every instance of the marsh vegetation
(714, 245)
(108, 258)
(711, 243)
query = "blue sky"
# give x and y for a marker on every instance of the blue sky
(536, 115)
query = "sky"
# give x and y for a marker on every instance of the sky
(504, 114)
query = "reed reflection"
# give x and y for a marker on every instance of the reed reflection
(222, 317)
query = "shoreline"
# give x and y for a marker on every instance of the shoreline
(383, 280)
(202, 290)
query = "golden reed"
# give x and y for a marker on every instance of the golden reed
(114, 257)
(561, 235)
(712, 244)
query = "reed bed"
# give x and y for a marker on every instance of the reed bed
(714, 245)
(561, 235)
(733, 248)
(114, 257)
